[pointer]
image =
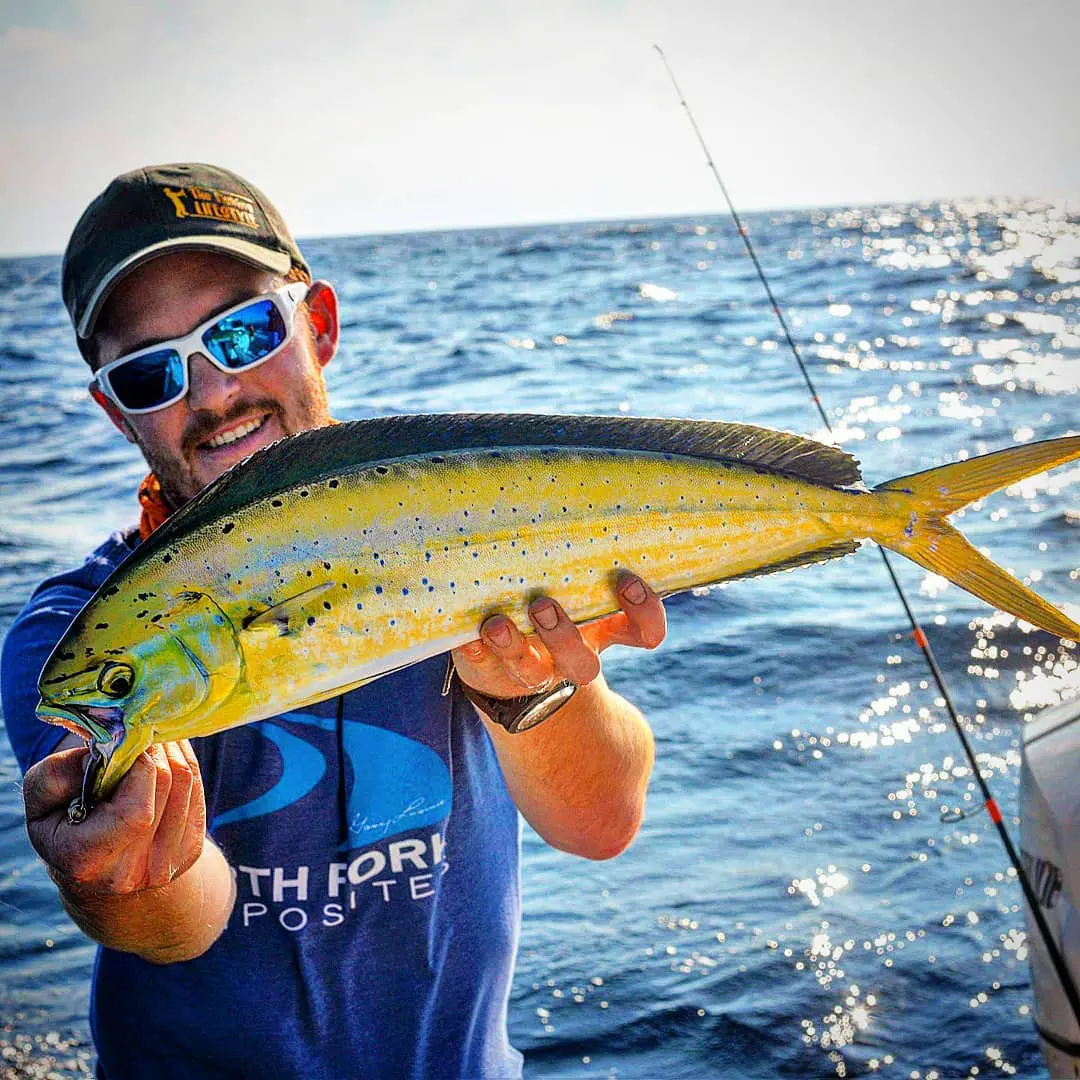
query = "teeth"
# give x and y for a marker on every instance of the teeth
(233, 434)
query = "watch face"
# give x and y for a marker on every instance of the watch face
(520, 714)
(538, 709)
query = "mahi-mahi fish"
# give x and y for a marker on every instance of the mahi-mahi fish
(340, 554)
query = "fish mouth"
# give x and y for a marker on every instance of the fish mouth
(94, 723)
(102, 727)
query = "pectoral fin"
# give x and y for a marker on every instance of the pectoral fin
(287, 615)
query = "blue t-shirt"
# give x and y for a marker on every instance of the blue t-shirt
(376, 853)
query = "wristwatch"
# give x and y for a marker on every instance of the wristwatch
(516, 713)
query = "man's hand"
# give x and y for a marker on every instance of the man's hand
(505, 663)
(579, 778)
(145, 835)
(123, 873)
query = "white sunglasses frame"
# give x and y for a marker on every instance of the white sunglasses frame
(286, 299)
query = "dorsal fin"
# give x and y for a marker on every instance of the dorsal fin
(326, 452)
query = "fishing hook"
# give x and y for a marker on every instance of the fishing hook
(83, 803)
(950, 817)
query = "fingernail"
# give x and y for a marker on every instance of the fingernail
(546, 615)
(634, 591)
(499, 633)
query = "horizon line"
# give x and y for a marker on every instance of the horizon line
(1063, 197)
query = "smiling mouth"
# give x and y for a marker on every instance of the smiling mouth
(236, 434)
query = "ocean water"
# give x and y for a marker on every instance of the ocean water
(795, 904)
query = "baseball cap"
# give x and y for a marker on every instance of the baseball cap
(163, 208)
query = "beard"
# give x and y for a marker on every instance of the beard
(182, 475)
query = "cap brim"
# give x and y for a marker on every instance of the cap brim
(254, 254)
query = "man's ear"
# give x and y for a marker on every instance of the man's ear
(114, 414)
(323, 312)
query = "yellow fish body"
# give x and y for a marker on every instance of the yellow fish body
(338, 555)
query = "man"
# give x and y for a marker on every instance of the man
(333, 892)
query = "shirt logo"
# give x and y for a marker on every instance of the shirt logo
(398, 785)
(212, 203)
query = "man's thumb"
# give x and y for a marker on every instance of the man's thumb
(54, 781)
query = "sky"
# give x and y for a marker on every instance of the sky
(367, 116)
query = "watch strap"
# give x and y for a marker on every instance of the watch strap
(517, 714)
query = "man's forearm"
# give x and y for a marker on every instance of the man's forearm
(580, 777)
(177, 921)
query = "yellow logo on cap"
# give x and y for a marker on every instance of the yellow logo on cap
(211, 203)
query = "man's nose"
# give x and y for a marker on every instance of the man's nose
(210, 388)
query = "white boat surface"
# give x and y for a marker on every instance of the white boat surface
(1050, 850)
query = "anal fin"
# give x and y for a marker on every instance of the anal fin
(804, 558)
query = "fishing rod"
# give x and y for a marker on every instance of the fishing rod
(917, 632)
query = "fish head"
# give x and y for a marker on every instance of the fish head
(141, 680)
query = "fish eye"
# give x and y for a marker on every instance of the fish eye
(116, 679)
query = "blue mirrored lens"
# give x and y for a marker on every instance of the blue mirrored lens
(148, 380)
(246, 336)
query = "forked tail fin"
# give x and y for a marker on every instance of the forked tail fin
(933, 543)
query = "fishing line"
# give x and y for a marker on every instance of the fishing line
(342, 792)
(917, 632)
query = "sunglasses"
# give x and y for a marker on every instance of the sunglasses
(236, 340)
